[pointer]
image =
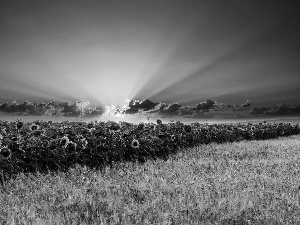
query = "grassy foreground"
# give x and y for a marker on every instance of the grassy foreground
(250, 182)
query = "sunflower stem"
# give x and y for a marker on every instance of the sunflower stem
(2, 181)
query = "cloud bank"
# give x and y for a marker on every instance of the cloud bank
(202, 110)
(281, 109)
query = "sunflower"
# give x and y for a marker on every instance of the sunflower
(152, 126)
(34, 127)
(84, 143)
(160, 134)
(3, 130)
(91, 130)
(64, 141)
(5, 153)
(13, 137)
(159, 121)
(71, 146)
(135, 143)
(114, 126)
(111, 131)
(43, 132)
(173, 137)
(19, 125)
(187, 128)
(90, 125)
(141, 125)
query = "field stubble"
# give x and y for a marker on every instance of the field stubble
(248, 182)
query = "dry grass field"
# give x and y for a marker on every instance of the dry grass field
(249, 182)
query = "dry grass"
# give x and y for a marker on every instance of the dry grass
(255, 182)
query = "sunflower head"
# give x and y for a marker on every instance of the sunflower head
(71, 146)
(114, 126)
(92, 130)
(111, 131)
(13, 137)
(34, 127)
(37, 122)
(64, 141)
(43, 132)
(90, 125)
(178, 123)
(164, 128)
(161, 134)
(135, 143)
(5, 153)
(159, 121)
(84, 143)
(141, 125)
(187, 128)
(19, 125)
(173, 137)
(3, 130)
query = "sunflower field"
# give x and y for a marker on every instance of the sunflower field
(47, 146)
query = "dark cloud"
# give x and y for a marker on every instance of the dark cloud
(145, 104)
(207, 104)
(169, 109)
(70, 110)
(283, 109)
(158, 108)
(26, 108)
(131, 111)
(172, 108)
(49, 109)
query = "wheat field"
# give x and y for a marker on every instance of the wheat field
(247, 182)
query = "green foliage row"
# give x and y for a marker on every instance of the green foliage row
(48, 146)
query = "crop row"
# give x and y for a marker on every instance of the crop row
(51, 146)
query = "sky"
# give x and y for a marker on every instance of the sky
(172, 51)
